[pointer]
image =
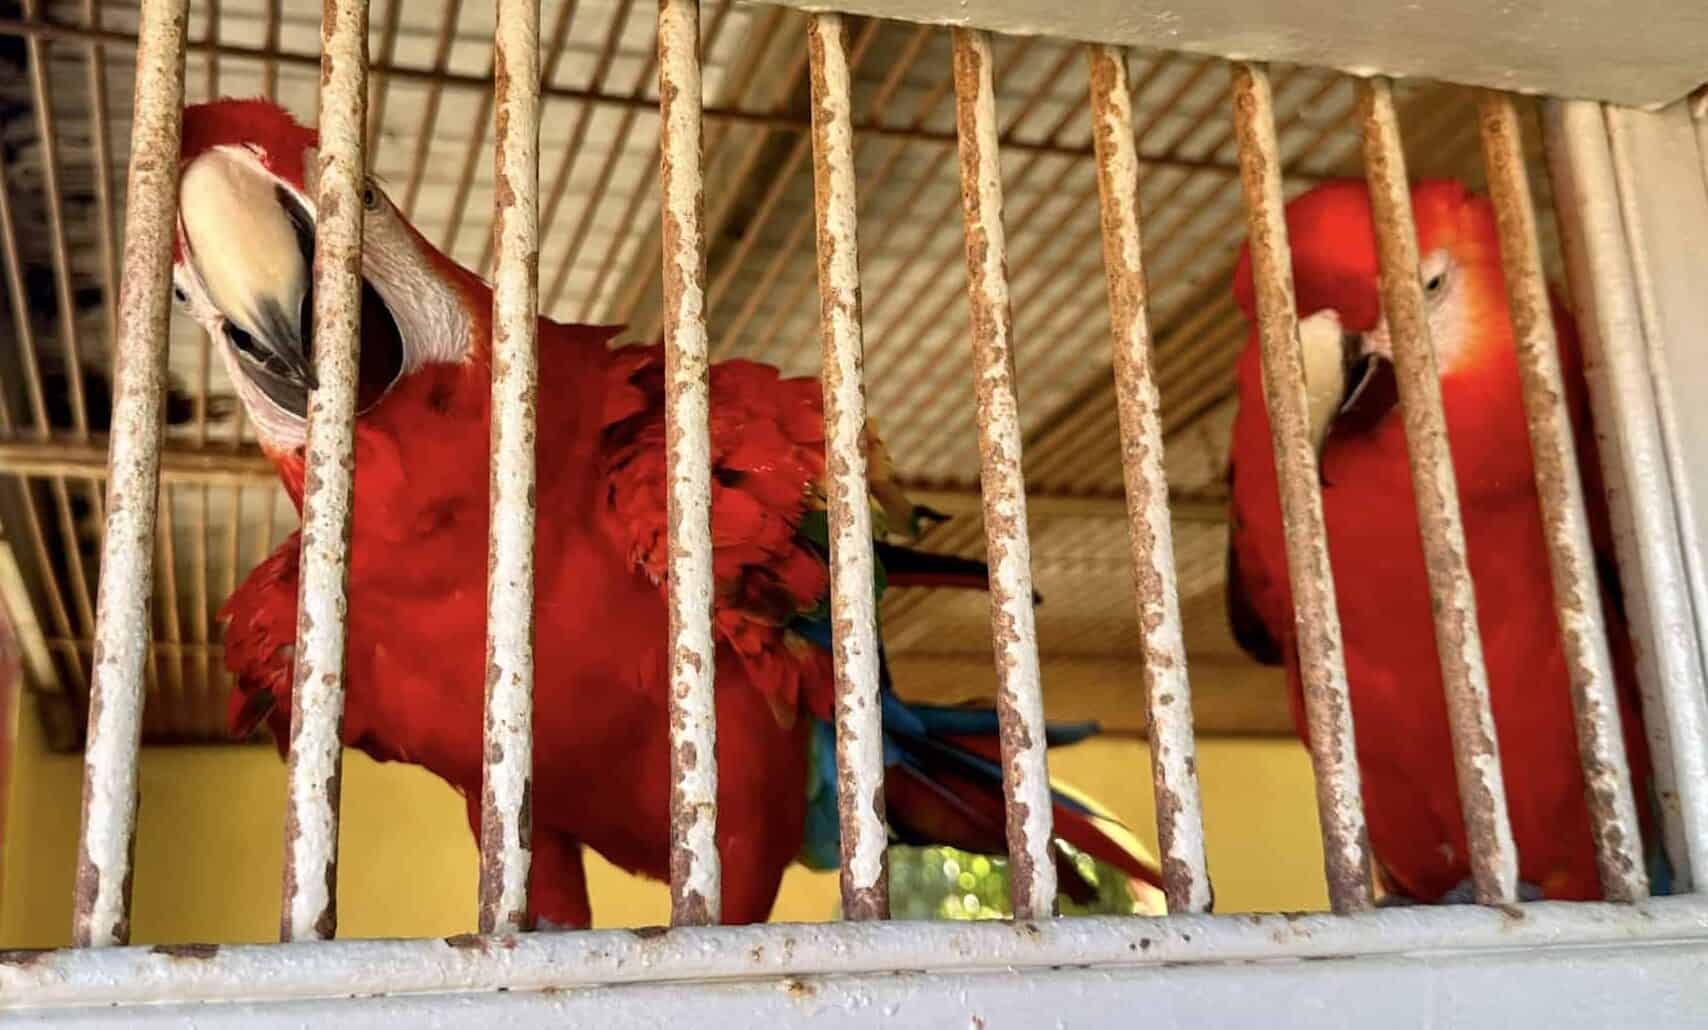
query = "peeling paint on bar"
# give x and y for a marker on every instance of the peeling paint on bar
(1121, 945)
(854, 617)
(1168, 692)
(1592, 233)
(1464, 677)
(101, 910)
(1595, 701)
(696, 891)
(1020, 698)
(317, 692)
(506, 835)
(1322, 664)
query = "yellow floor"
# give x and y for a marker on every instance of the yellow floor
(208, 848)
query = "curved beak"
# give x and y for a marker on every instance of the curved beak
(1371, 389)
(251, 242)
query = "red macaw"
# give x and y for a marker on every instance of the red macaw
(418, 553)
(1399, 711)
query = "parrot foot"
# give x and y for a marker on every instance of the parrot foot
(544, 925)
(1462, 893)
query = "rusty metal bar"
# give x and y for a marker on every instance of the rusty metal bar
(507, 782)
(1322, 665)
(1595, 700)
(854, 617)
(696, 889)
(1020, 697)
(1464, 678)
(1168, 693)
(101, 906)
(317, 694)
(1604, 284)
(1661, 200)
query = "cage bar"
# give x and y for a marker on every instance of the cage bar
(100, 158)
(1633, 458)
(101, 906)
(450, 12)
(1322, 663)
(1577, 594)
(1150, 531)
(696, 890)
(1435, 489)
(317, 696)
(25, 335)
(853, 608)
(1450, 940)
(41, 99)
(507, 777)
(1020, 696)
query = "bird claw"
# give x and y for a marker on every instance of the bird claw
(1461, 893)
(544, 925)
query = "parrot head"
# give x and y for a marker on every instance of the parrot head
(1348, 351)
(243, 261)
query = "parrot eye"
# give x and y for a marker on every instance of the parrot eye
(370, 197)
(1436, 269)
(179, 295)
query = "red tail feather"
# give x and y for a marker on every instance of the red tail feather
(1074, 827)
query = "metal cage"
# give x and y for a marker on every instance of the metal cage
(1630, 188)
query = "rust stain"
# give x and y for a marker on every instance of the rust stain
(195, 951)
(505, 194)
(799, 990)
(23, 958)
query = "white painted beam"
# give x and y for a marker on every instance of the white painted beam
(1643, 53)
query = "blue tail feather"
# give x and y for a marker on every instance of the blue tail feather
(913, 737)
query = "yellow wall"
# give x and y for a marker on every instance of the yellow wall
(210, 830)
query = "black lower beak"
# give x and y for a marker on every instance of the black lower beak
(279, 357)
(276, 357)
(1371, 389)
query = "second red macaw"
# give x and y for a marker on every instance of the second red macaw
(1399, 711)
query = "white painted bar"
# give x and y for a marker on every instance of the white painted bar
(506, 846)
